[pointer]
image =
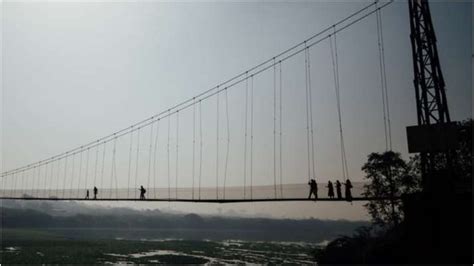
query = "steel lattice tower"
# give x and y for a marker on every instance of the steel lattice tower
(431, 103)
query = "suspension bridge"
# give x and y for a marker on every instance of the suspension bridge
(185, 153)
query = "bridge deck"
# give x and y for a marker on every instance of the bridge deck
(204, 200)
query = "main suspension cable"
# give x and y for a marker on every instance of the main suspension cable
(344, 23)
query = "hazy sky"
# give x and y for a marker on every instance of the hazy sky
(73, 72)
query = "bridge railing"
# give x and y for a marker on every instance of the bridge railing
(186, 193)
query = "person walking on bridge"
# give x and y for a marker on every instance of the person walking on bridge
(330, 190)
(95, 192)
(313, 188)
(338, 189)
(142, 192)
(87, 194)
(348, 187)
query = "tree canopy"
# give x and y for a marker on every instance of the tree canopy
(389, 176)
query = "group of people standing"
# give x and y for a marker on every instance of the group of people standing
(95, 193)
(347, 185)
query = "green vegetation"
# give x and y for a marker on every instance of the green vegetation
(389, 176)
(143, 225)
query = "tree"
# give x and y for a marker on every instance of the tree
(389, 176)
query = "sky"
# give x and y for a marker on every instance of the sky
(73, 72)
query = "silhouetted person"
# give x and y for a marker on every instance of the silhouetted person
(87, 194)
(313, 188)
(330, 190)
(142, 192)
(348, 186)
(338, 189)
(95, 192)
